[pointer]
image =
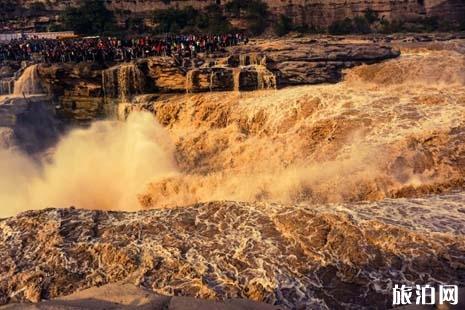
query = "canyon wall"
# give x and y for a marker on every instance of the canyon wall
(319, 13)
(323, 12)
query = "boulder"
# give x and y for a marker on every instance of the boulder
(302, 72)
(310, 61)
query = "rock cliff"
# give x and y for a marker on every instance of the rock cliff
(320, 13)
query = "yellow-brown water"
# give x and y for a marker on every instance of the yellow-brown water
(393, 129)
(28, 83)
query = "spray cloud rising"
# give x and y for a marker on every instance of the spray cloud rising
(101, 167)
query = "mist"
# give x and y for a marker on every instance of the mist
(104, 167)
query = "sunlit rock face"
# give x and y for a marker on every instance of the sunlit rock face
(75, 89)
(295, 256)
(319, 13)
(310, 61)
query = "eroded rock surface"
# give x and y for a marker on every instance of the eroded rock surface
(312, 61)
(120, 296)
(318, 13)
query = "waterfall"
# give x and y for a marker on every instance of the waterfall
(237, 79)
(255, 71)
(189, 81)
(242, 60)
(265, 78)
(123, 81)
(28, 83)
(130, 80)
(252, 77)
(6, 86)
(212, 76)
(251, 59)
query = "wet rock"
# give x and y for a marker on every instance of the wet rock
(251, 77)
(83, 79)
(80, 109)
(210, 79)
(86, 91)
(6, 86)
(168, 76)
(7, 71)
(33, 293)
(301, 72)
(300, 61)
(256, 77)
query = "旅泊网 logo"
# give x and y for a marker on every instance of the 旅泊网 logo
(424, 295)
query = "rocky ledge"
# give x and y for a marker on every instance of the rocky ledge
(291, 256)
(120, 296)
(85, 91)
(312, 60)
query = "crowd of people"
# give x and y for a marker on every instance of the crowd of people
(114, 49)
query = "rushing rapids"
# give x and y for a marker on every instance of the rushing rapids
(312, 196)
(386, 131)
(296, 256)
